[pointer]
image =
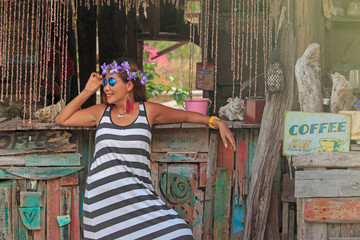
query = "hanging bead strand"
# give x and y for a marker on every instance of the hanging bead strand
(3, 62)
(216, 53)
(256, 45)
(8, 53)
(66, 43)
(14, 59)
(242, 48)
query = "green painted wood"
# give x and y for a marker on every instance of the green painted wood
(5, 175)
(63, 220)
(62, 159)
(30, 217)
(5, 212)
(40, 173)
(31, 199)
(41, 234)
(9, 183)
(19, 229)
(222, 203)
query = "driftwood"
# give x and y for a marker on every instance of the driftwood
(268, 149)
(342, 97)
(307, 72)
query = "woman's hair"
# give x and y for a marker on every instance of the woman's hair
(139, 89)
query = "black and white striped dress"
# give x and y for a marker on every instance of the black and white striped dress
(119, 200)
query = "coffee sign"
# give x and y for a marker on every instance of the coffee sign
(307, 132)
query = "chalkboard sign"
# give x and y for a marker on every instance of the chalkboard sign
(205, 76)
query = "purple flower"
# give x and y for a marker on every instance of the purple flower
(143, 78)
(132, 76)
(104, 69)
(115, 68)
(125, 66)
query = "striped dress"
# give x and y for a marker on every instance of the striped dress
(119, 200)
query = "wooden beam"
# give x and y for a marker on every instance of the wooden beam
(169, 49)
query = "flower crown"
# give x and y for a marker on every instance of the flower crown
(124, 67)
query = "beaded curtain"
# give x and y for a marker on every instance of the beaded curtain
(35, 64)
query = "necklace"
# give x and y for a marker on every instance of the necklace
(121, 114)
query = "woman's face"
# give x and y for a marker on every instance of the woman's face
(117, 92)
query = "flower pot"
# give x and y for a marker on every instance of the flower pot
(199, 105)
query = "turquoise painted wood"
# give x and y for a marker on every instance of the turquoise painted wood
(30, 217)
(63, 159)
(63, 220)
(5, 212)
(39, 173)
(31, 199)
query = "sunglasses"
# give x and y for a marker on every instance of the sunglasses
(111, 81)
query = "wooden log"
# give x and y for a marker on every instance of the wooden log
(264, 165)
(209, 190)
(327, 183)
(40, 173)
(327, 159)
(61, 159)
(53, 208)
(19, 142)
(222, 203)
(198, 214)
(332, 210)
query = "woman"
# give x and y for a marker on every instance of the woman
(119, 200)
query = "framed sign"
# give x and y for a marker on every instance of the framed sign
(205, 76)
(307, 132)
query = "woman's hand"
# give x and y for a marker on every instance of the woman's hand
(94, 82)
(226, 135)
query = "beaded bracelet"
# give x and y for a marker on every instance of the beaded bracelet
(212, 121)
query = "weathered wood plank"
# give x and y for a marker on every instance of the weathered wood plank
(203, 170)
(162, 189)
(327, 183)
(332, 210)
(20, 142)
(12, 160)
(41, 234)
(209, 190)
(75, 214)
(155, 177)
(40, 173)
(182, 182)
(65, 210)
(178, 157)
(5, 210)
(300, 223)
(288, 189)
(344, 238)
(61, 159)
(31, 199)
(198, 214)
(327, 159)
(30, 217)
(222, 203)
(315, 231)
(53, 208)
(173, 140)
(70, 180)
(285, 221)
(292, 218)
(19, 229)
(225, 156)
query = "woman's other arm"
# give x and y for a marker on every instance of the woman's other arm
(158, 114)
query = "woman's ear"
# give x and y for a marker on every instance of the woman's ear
(129, 86)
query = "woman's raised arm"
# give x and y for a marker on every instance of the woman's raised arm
(71, 115)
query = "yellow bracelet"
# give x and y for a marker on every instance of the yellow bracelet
(211, 122)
